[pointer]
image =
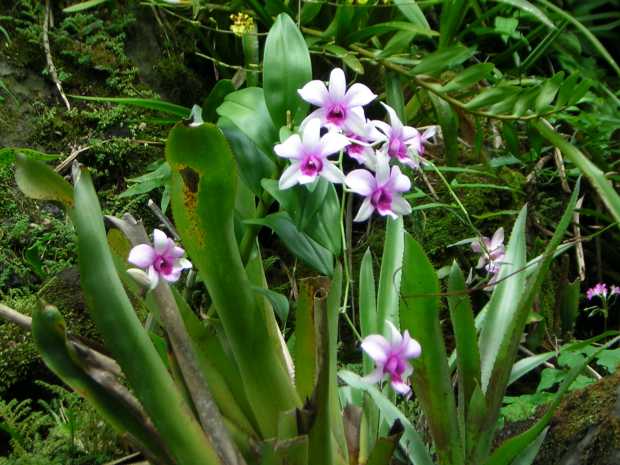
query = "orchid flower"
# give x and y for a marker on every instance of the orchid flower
(382, 190)
(422, 138)
(598, 290)
(360, 148)
(339, 108)
(492, 253)
(309, 155)
(401, 142)
(391, 357)
(163, 260)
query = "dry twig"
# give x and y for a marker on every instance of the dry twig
(48, 54)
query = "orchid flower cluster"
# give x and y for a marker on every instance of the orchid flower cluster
(605, 295)
(371, 144)
(492, 252)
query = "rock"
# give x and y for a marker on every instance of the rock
(586, 427)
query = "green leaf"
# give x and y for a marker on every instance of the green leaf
(148, 182)
(125, 336)
(467, 354)
(526, 6)
(468, 77)
(452, 14)
(76, 7)
(38, 181)
(49, 334)
(389, 276)
(150, 104)
(569, 305)
(286, 68)
(593, 173)
(492, 95)
(548, 92)
(367, 303)
(302, 246)
(347, 57)
(449, 121)
(216, 97)
(7, 155)
(504, 301)
(411, 441)
(412, 12)
(419, 314)
(277, 300)
(442, 60)
(203, 193)
(528, 455)
(386, 27)
(247, 110)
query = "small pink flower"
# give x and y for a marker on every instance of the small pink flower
(421, 139)
(162, 260)
(403, 143)
(391, 357)
(492, 253)
(339, 108)
(308, 154)
(599, 290)
(360, 148)
(615, 290)
(382, 190)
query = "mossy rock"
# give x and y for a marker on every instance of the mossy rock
(586, 428)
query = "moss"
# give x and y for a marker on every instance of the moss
(586, 428)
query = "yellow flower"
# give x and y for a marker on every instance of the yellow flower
(242, 23)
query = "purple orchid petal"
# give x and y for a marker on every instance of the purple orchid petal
(377, 347)
(142, 256)
(361, 182)
(161, 243)
(400, 206)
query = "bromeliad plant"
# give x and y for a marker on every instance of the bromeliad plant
(229, 389)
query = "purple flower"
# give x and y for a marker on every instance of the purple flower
(391, 356)
(382, 190)
(360, 148)
(309, 155)
(491, 250)
(599, 290)
(401, 142)
(615, 290)
(162, 260)
(339, 108)
(422, 138)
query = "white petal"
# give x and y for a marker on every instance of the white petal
(361, 182)
(161, 241)
(411, 133)
(355, 122)
(290, 176)
(476, 247)
(177, 252)
(290, 148)
(312, 134)
(385, 128)
(333, 142)
(395, 122)
(139, 276)
(382, 168)
(401, 388)
(395, 337)
(359, 95)
(430, 132)
(497, 240)
(337, 84)
(332, 173)
(398, 181)
(318, 113)
(400, 206)
(184, 263)
(377, 348)
(142, 255)
(314, 92)
(365, 211)
(374, 377)
(412, 348)
(153, 277)
(173, 276)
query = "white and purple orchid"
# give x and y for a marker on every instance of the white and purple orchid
(391, 357)
(492, 251)
(163, 260)
(339, 108)
(382, 190)
(361, 147)
(404, 143)
(308, 155)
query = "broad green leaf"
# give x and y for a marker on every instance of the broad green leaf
(449, 121)
(7, 155)
(504, 301)
(150, 104)
(286, 68)
(528, 7)
(394, 93)
(305, 340)
(203, 192)
(49, 334)
(254, 164)
(38, 181)
(216, 97)
(125, 336)
(277, 300)
(411, 441)
(548, 92)
(247, 110)
(442, 60)
(468, 77)
(528, 455)
(592, 173)
(412, 12)
(302, 246)
(462, 317)
(367, 303)
(389, 276)
(398, 43)
(419, 314)
(569, 305)
(76, 7)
